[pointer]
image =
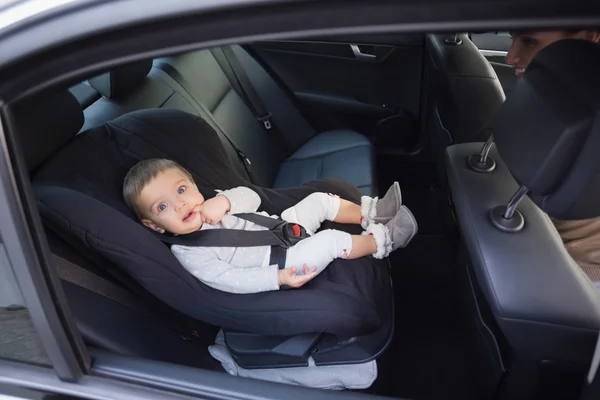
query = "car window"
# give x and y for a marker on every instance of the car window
(19, 340)
(492, 41)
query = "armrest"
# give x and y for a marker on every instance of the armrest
(544, 303)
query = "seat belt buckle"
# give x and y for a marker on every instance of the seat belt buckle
(266, 120)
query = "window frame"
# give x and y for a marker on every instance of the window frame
(26, 245)
(38, 285)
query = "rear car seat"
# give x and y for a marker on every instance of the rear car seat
(346, 312)
(196, 83)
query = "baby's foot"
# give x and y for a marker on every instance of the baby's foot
(383, 240)
(402, 228)
(381, 211)
(395, 234)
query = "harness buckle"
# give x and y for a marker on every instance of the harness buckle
(289, 233)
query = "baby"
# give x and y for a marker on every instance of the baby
(164, 197)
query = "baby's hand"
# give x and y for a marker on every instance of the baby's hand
(214, 209)
(287, 276)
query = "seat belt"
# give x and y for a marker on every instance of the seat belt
(73, 273)
(171, 71)
(226, 57)
(280, 235)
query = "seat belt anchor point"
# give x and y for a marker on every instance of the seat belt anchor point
(266, 120)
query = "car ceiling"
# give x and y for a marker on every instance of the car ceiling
(117, 32)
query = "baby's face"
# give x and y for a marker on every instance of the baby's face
(171, 202)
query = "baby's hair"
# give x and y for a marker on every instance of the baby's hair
(141, 174)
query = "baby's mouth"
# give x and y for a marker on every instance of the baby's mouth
(189, 216)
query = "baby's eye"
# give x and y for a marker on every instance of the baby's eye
(162, 207)
(181, 189)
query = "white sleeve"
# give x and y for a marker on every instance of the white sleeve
(242, 199)
(206, 267)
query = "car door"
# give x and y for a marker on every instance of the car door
(494, 46)
(368, 83)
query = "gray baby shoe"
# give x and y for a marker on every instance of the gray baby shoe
(403, 227)
(381, 211)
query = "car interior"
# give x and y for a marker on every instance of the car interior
(474, 307)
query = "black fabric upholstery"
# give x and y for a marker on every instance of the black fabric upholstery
(79, 196)
(46, 124)
(121, 81)
(548, 131)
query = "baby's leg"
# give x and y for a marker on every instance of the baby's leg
(319, 250)
(318, 207)
(322, 248)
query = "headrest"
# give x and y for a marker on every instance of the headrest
(548, 130)
(45, 124)
(122, 80)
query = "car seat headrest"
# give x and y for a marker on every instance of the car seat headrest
(121, 81)
(548, 130)
(45, 124)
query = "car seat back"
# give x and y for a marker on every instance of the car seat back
(142, 86)
(549, 131)
(195, 82)
(466, 93)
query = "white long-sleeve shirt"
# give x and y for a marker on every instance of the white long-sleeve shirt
(232, 269)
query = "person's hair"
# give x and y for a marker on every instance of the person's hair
(141, 174)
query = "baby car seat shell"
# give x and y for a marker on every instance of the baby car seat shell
(78, 190)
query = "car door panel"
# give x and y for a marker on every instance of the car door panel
(370, 84)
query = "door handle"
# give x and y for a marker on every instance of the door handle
(360, 55)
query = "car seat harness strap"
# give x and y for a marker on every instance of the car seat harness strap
(280, 235)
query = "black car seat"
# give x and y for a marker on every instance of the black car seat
(197, 82)
(465, 93)
(346, 312)
(536, 309)
(141, 86)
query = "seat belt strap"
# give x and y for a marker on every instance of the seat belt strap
(224, 238)
(232, 64)
(73, 273)
(171, 71)
(262, 220)
(280, 235)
